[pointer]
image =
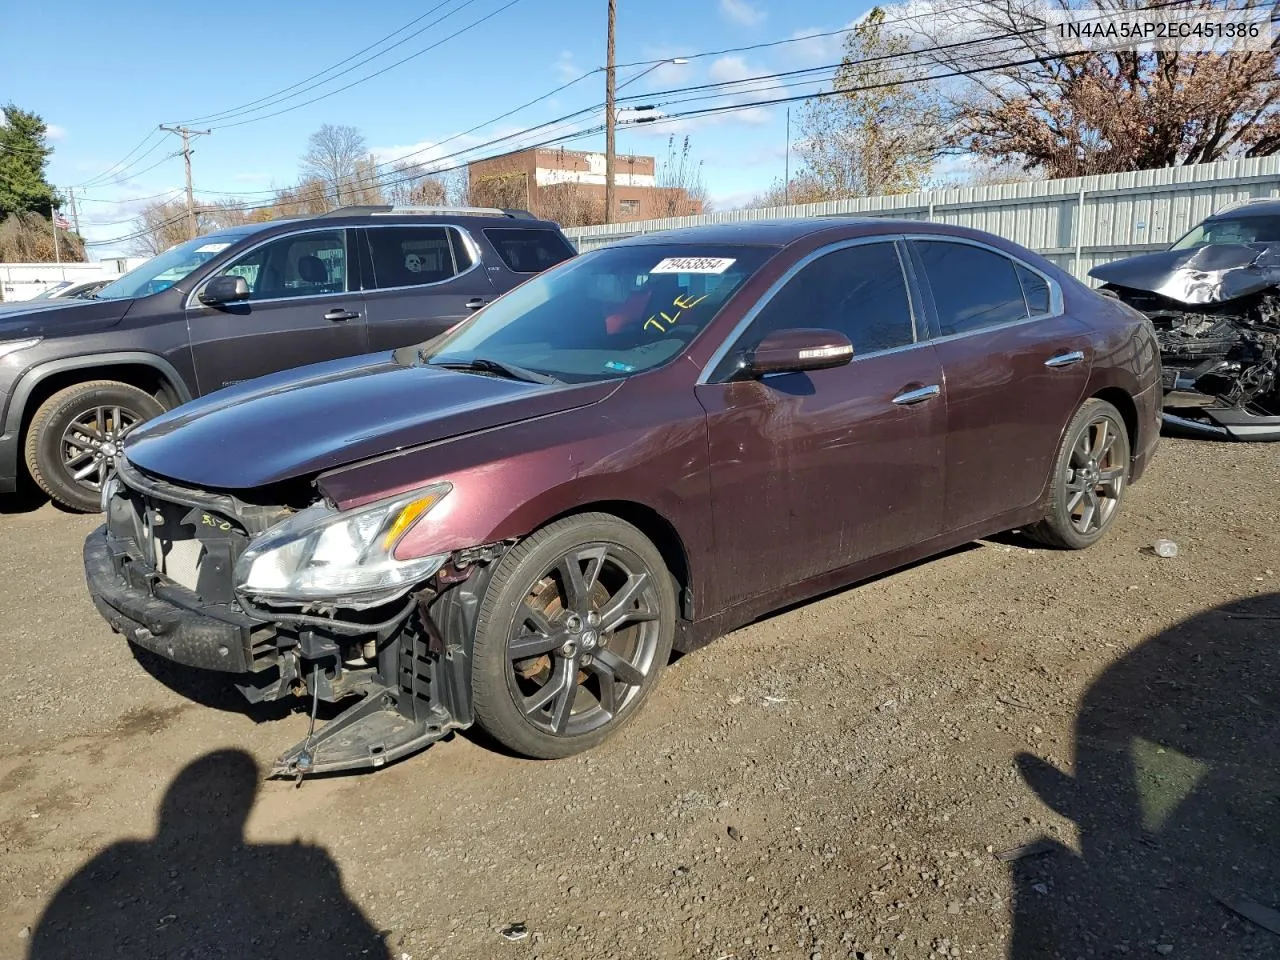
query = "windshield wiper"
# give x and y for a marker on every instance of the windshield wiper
(509, 370)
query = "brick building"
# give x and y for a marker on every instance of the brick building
(568, 186)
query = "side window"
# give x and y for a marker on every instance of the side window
(410, 256)
(529, 251)
(302, 265)
(1036, 290)
(859, 291)
(972, 287)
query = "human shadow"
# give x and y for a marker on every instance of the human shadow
(1176, 797)
(199, 890)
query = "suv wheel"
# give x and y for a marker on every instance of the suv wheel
(1089, 479)
(73, 438)
(573, 632)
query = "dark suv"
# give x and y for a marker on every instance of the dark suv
(75, 375)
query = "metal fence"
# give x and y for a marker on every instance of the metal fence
(1077, 223)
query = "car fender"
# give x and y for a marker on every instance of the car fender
(40, 372)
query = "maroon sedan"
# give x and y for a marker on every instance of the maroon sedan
(645, 447)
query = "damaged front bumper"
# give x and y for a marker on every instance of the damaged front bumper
(407, 685)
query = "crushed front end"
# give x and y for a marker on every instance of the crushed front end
(189, 575)
(1216, 313)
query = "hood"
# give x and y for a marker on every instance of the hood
(48, 318)
(311, 419)
(1214, 273)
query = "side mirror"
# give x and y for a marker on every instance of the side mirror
(225, 289)
(793, 351)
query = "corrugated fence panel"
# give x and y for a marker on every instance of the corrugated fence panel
(1108, 216)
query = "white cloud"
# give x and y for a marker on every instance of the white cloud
(566, 66)
(742, 12)
(55, 132)
(735, 200)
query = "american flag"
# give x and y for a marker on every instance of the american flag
(62, 222)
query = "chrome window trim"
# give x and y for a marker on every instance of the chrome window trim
(704, 377)
(1057, 305)
(467, 241)
(193, 302)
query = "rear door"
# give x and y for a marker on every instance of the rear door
(1016, 368)
(304, 307)
(422, 280)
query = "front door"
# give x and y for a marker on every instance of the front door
(812, 472)
(302, 309)
(424, 280)
(1016, 369)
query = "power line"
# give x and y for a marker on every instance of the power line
(117, 168)
(222, 114)
(377, 73)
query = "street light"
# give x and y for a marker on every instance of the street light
(611, 118)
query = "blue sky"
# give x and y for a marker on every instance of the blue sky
(116, 71)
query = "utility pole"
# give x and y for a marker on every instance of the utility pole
(609, 120)
(186, 135)
(75, 215)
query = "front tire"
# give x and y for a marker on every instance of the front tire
(1090, 477)
(73, 438)
(573, 633)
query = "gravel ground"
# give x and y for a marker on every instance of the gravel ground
(835, 781)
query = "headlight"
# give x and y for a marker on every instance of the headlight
(13, 346)
(322, 554)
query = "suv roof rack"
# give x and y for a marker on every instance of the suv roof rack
(391, 210)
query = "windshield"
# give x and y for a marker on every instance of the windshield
(1236, 230)
(175, 264)
(48, 294)
(608, 313)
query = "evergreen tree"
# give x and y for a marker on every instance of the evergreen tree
(24, 153)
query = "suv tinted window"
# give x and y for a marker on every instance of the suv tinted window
(972, 287)
(301, 265)
(408, 256)
(859, 291)
(529, 251)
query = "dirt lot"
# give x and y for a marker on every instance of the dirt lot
(832, 782)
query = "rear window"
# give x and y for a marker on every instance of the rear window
(529, 251)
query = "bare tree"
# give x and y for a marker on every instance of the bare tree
(1105, 111)
(804, 188)
(682, 192)
(503, 190)
(414, 185)
(334, 156)
(881, 131)
(163, 224)
(569, 205)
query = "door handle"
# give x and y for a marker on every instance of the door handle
(340, 313)
(475, 303)
(919, 395)
(1065, 359)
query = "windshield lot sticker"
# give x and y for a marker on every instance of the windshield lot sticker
(694, 265)
(619, 367)
(212, 247)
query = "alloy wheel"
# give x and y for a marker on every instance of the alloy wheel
(1095, 476)
(583, 640)
(91, 442)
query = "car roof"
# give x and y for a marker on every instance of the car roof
(364, 216)
(1268, 207)
(781, 232)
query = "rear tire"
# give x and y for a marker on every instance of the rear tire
(74, 435)
(562, 661)
(1090, 476)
